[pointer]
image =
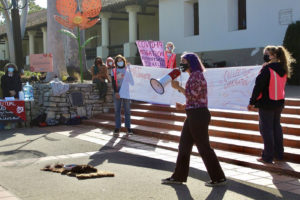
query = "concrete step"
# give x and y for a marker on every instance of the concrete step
(179, 116)
(292, 102)
(164, 139)
(295, 110)
(142, 118)
(232, 145)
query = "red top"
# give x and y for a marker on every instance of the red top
(196, 91)
(170, 62)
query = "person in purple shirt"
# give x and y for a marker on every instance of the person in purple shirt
(195, 128)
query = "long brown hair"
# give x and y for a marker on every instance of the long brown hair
(123, 58)
(284, 57)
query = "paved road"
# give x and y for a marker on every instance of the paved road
(24, 152)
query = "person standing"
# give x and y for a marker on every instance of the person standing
(117, 80)
(11, 83)
(110, 63)
(195, 128)
(268, 96)
(170, 56)
(100, 76)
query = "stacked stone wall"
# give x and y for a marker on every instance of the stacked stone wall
(56, 105)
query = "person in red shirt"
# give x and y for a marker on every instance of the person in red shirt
(170, 56)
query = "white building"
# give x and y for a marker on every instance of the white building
(226, 30)
(234, 31)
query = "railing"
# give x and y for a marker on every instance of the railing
(116, 50)
(91, 53)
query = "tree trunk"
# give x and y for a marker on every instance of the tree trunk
(24, 18)
(9, 31)
(55, 42)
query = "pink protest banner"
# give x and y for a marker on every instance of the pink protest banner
(41, 62)
(152, 53)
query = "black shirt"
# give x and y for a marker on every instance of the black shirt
(262, 87)
(11, 83)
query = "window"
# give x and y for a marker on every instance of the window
(191, 18)
(242, 14)
(196, 18)
(237, 15)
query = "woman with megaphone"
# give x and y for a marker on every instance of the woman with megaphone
(195, 128)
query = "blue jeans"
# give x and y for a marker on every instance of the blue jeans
(126, 106)
(271, 131)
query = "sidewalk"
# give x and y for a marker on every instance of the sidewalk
(275, 185)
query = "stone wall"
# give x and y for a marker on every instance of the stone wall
(55, 106)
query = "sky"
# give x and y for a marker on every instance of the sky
(42, 3)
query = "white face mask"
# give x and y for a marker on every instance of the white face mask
(120, 64)
(110, 63)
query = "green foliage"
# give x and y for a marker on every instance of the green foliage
(292, 43)
(2, 64)
(33, 7)
(88, 41)
(68, 33)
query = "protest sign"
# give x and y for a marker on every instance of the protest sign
(228, 88)
(41, 62)
(12, 111)
(152, 53)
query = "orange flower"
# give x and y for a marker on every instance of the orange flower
(73, 18)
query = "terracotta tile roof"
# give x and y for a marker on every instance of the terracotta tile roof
(40, 17)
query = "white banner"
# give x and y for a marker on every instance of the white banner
(228, 88)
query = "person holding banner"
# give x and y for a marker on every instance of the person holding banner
(170, 56)
(268, 96)
(117, 79)
(195, 128)
(99, 76)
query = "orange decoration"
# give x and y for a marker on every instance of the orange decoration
(73, 18)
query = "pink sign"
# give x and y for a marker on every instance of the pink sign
(41, 62)
(152, 53)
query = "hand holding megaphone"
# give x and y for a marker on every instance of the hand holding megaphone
(158, 85)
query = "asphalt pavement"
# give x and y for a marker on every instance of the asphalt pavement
(138, 172)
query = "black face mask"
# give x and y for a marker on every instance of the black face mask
(266, 58)
(184, 67)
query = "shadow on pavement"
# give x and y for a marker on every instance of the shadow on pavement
(182, 191)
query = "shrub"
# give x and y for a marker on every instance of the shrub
(291, 43)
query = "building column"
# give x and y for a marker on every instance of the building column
(130, 48)
(103, 50)
(44, 30)
(31, 35)
(6, 49)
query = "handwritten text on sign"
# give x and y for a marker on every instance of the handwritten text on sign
(228, 88)
(12, 111)
(41, 62)
(152, 53)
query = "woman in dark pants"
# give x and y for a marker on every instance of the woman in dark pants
(268, 96)
(195, 128)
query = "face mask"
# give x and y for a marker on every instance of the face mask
(110, 63)
(170, 48)
(120, 64)
(266, 58)
(10, 69)
(184, 67)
